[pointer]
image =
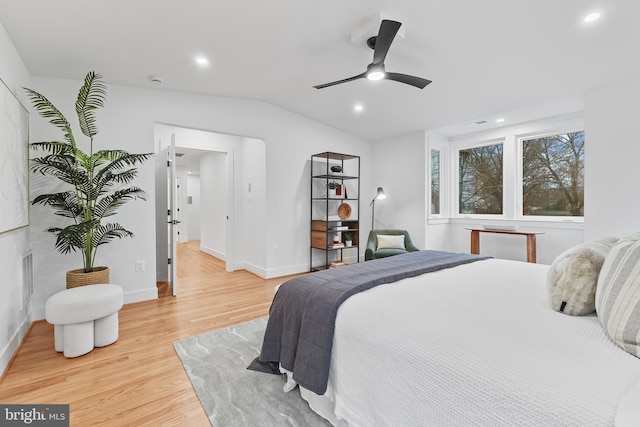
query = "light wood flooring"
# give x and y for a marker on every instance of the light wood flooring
(139, 380)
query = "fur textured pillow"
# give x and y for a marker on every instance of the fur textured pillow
(573, 277)
(386, 241)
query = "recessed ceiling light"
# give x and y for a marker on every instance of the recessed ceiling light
(201, 60)
(500, 120)
(592, 17)
(358, 108)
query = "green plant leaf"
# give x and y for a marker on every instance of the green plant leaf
(54, 147)
(65, 203)
(48, 110)
(107, 232)
(72, 237)
(90, 97)
(109, 204)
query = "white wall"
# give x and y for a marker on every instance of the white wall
(253, 190)
(193, 209)
(399, 165)
(15, 319)
(127, 121)
(213, 203)
(612, 205)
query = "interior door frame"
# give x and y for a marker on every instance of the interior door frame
(172, 209)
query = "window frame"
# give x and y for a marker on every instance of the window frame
(518, 197)
(455, 164)
(441, 207)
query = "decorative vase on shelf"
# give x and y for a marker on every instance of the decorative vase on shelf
(348, 243)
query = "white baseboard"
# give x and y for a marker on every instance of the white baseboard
(213, 252)
(141, 295)
(286, 271)
(12, 346)
(258, 271)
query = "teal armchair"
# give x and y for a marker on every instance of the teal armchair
(373, 252)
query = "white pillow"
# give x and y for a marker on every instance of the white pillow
(618, 294)
(390, 242)
(573, 276)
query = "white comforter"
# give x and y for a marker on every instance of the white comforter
(475, 345)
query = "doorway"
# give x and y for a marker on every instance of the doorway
(221, 193)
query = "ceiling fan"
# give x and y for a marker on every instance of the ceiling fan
(376, 71)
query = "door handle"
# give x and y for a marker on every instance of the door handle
(174, 222)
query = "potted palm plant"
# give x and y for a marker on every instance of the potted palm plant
(97, 181)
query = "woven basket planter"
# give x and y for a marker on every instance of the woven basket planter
(99, 275)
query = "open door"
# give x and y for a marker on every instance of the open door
(166, 214)
(172, 220)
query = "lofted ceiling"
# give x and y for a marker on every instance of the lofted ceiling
(485, 58)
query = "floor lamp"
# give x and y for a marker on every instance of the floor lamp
(380, 195)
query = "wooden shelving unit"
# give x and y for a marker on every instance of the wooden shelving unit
(334, 215)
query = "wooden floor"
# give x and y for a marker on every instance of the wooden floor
(139, 380)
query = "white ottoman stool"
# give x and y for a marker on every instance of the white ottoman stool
(84, 317)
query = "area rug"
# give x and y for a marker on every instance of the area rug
(231, 395)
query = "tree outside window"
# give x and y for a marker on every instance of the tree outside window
(553, 175)
(435, 182)
(480, 180)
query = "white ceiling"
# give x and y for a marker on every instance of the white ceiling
(485, 58)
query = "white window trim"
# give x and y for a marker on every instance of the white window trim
(455, 170)
(520, 171)
(443, 211)
(511, 138)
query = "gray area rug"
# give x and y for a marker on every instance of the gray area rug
(231, 395)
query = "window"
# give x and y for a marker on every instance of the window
(480, 180)
(435, 182)
(553, 175)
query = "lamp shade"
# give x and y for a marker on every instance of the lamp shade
(380, 194)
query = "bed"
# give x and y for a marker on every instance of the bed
(473, 345)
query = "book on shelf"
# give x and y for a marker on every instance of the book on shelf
(336, 245)
(340, 228)
(336, 264)
(332, 218)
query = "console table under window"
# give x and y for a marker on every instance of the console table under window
(531, 240)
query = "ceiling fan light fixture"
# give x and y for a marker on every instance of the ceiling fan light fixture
(375, 75)
(592, 17)
(376, 70)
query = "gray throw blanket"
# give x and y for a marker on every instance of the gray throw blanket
(299, 333)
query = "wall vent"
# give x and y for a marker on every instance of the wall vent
(27, 279)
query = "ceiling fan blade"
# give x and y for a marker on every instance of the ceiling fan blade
(322, 86)
(386, 34)
(418, 82)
